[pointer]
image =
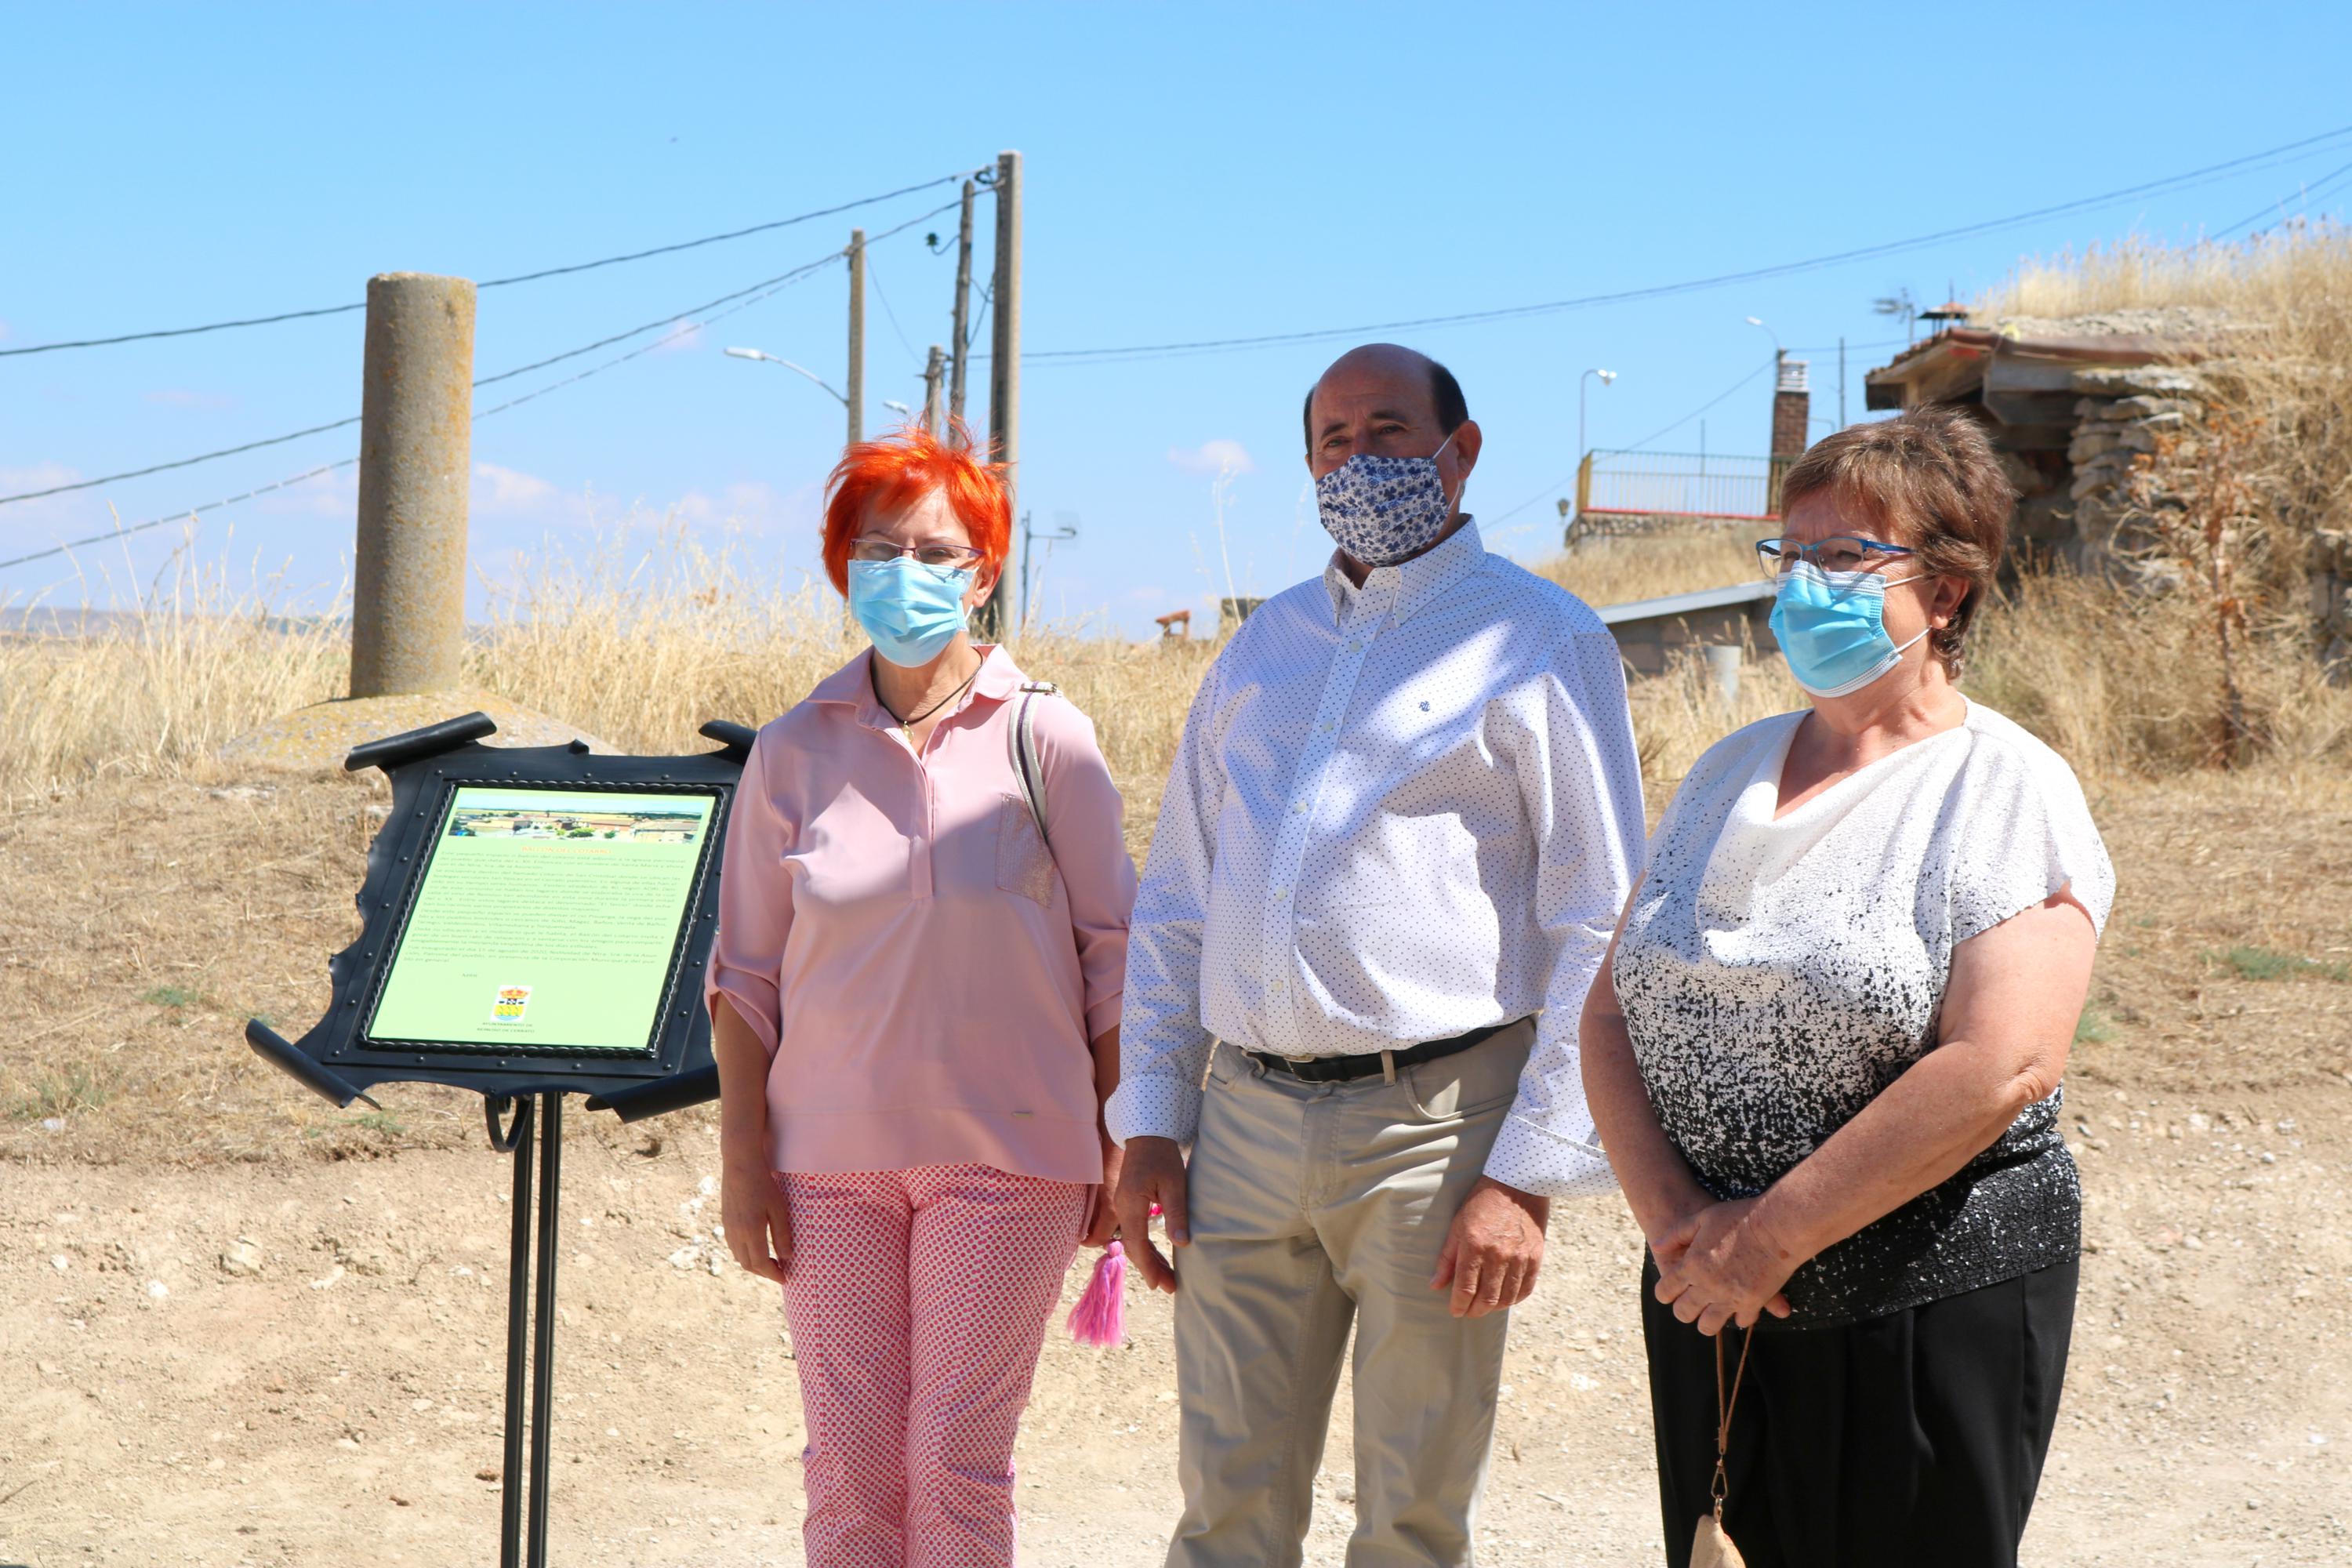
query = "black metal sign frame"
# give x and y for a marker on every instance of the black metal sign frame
(338, 1059)
(522, 1092)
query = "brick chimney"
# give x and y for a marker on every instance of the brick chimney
(1792, 405)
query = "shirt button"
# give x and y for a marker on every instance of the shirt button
(1280, 894)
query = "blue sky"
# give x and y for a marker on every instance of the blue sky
(1197, 172)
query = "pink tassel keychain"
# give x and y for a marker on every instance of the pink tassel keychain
(1100, 1317)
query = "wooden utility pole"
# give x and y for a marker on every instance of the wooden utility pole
(1004, 353)
(932, 370)
(856, 336)
(962, 302)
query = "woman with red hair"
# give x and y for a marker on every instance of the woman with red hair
(914, 996)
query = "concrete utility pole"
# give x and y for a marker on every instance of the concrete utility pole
(1004, 352)
(416, 399)
(932, 369)
(962, 302)
(856, 397)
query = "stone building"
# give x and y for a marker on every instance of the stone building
(2072, 405)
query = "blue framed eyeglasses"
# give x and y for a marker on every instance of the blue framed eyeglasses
(1839, 553)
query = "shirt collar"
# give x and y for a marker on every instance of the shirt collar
(852, 684)
(1415, 582)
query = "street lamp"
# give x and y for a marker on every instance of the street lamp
(1607, 378)
(1780, 354)
(775, 359)
(905, 411)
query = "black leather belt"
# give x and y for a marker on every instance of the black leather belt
(1347, 1068)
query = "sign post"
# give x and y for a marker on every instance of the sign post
(536, 922)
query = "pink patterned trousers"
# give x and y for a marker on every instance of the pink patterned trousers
(918, 1302)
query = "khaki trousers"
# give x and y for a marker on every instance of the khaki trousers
(1313, 1205)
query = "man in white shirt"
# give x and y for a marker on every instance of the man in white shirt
(1405, 815)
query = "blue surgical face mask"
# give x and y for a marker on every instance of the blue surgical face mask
(912, 611)
(1382, 511)
(1832, 629)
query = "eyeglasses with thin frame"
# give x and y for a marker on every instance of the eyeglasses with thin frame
(873, 548)
(1839, 553)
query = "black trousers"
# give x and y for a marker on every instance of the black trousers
(1916, 1438)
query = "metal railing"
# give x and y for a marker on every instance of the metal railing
(1679, 485)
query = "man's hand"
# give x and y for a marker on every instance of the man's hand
(1722, 1265)
(1102, 1203)
(1493, 1249)
(756, 1217)
(1153, 1173)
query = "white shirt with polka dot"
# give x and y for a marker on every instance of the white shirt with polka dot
(1399, 813)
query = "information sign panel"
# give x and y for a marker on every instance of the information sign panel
(534, 920)
(545, 918)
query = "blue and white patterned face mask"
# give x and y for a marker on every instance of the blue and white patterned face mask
(1384, 510)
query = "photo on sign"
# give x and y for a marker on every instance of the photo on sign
(605, 823)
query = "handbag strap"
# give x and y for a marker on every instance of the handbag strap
(1027, 770)
(1719, 1488)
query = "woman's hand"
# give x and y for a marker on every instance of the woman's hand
(1102, 1210)
(1725, 1266)
(757, 1217)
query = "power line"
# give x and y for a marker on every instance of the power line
(734, 234)
(177, 516)
(896, 331)
(1861, 253)
(494, 283)
(682, 330)
(768, 284)
(2307, 191)
(1702, 408)
(180, 462)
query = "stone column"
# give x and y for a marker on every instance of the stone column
(408, 595)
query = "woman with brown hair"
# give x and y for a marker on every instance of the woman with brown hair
(1824, 1052)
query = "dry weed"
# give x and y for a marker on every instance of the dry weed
(1620, 571)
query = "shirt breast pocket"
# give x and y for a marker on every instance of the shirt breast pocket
(1024, 864)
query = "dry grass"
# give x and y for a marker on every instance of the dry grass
(156, 900)
(1620, 571)
(202, 660)
(2271, 278)
(2124, 686)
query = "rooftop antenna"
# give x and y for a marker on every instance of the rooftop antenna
(1899, 304)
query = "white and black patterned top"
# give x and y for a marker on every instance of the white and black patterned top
(1399, 813)
(1776, 976)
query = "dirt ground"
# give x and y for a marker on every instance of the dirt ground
(238, 1326)
(292, 1365)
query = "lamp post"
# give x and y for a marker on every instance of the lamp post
(775, 359)
(1778, 354)
(1608, 377)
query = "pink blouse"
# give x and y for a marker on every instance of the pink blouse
(924, 974)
